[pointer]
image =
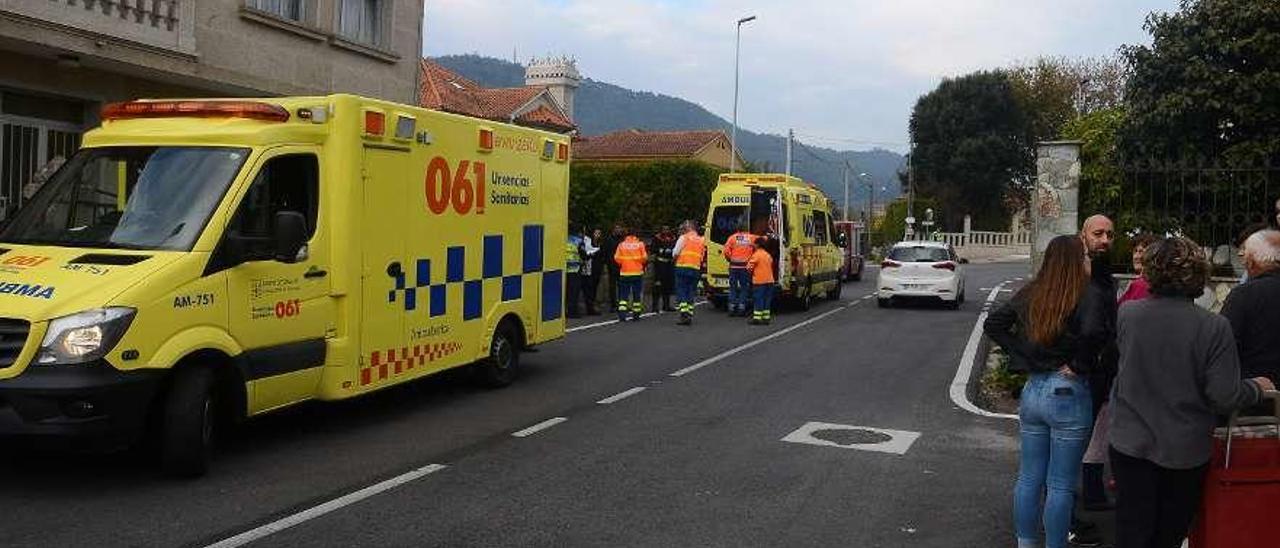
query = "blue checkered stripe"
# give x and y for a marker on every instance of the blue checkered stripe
(512, 286)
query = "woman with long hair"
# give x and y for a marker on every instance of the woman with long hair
(1051, 330)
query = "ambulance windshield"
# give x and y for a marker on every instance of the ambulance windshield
(155, 198)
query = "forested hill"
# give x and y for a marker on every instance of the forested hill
(601, 107)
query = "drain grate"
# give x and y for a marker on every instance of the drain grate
(859, 438)
(851, 436)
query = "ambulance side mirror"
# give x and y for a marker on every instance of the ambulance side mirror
(290, 235)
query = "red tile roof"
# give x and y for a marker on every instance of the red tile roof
(637, 143)
(445, 90)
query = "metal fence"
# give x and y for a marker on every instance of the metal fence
(1211, 205)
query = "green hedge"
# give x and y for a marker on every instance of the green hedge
(642, 196)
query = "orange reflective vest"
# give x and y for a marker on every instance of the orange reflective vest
(761, 267)
(631, 256)
(691, 254)
(738, 249)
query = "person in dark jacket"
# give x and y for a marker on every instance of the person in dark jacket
(1253, 307)
(1178, 370)
(1098, 233)
(607, 250)
(664, 269)
(1051, 329)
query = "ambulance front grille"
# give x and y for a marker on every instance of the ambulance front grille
(13, 336)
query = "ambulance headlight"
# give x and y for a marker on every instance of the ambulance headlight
(85, 336)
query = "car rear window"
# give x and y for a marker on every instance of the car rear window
(919, 254)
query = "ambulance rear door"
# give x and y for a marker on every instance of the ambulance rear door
(768, 217)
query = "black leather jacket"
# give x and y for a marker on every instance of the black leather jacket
(1077, 346)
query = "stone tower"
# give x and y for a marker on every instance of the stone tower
(560, 76)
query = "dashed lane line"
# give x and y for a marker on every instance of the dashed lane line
(621, 395)
(325, 508)
(960, 384)
(538, 427)
(762, 340)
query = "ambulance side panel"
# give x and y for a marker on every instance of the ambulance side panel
(458, 237)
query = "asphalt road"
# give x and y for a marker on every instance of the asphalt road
(691, 460)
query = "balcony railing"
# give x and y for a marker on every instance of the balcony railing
(164, 24)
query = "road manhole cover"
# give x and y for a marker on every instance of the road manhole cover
(862, 438)
(852, 436)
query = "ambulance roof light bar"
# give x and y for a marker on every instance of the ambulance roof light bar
(195, 109)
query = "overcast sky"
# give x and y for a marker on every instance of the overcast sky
(845, 71)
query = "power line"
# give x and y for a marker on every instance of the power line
(850, 141)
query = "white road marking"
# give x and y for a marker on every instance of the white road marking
(898, 444)
(621, 395)
(324, 508)
(960, 384)
(611, 322)
(539, 427)
(762, 340)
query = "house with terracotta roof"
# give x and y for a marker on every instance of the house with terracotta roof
(546, 102)
(633, 146)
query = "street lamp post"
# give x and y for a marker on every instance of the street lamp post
(733, 139)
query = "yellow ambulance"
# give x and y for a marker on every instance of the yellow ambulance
(795, 215)
(201, 261)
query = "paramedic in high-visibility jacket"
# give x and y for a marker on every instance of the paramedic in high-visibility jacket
(630, 257)
(762, 280)
(690, 252)
(738, 249)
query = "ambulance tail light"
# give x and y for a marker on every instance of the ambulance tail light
(562, 152)
(375, 123)
(195, 109)
(486, 139)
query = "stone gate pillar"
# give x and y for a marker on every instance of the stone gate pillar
(1055, 201)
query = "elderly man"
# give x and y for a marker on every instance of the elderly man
(1253, 308)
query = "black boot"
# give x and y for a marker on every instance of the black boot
(1095, 494)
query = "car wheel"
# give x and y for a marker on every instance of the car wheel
(186, 435)
(499, 368)
(960, 296)
(806, 302)
(952, 305)
(883, 302)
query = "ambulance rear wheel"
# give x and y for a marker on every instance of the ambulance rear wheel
(499, 368)
(186, 435)
(806, 300)
(721, 303)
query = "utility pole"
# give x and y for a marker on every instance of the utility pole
(791, 135)
(846, 190)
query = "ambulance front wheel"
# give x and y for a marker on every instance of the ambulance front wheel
(499, 368)
(186, 436)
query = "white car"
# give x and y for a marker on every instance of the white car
(921, 269)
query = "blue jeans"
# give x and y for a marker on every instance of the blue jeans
(1056, 414)
(686, 288)
(739, 288)
(762, 296)
(630, 293)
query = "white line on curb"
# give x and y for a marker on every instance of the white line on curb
(960, 384)
(735, 350)
(324, 508)
(621, 396)
(539, 427)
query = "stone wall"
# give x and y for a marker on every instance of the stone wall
(1055, 200)
(1215, 293)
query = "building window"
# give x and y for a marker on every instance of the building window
(292, 10)
(362, 21)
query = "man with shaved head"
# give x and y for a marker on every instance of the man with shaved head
(1253, 308)
(1097, 233)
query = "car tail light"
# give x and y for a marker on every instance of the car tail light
(890, 264)
(195, 109)
(945, 266)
